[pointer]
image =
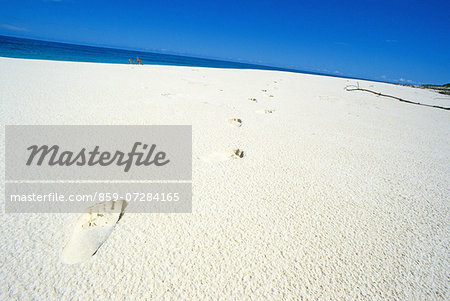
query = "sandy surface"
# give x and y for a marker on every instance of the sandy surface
(339, 194)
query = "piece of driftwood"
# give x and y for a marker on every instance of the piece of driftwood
(357, 88)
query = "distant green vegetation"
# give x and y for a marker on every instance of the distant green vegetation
(442, 89)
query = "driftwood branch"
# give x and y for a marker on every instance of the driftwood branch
(357, 88)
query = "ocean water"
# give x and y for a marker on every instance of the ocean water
(43, 50)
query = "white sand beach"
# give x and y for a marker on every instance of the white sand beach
(338, 195)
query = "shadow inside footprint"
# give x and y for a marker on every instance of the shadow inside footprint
(265, 111)
(224, 156)
(235, 122)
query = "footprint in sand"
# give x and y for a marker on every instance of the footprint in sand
(235, 122)
(91, 230)
(265, 111)
(223, 156)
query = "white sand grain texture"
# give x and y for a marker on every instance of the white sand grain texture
(339, 195)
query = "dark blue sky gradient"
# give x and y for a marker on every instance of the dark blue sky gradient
(402, 41)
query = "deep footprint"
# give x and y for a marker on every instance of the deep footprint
(91, 230)
(235, 122)
(224, 156)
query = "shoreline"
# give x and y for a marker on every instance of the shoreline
(222, 68)
(171, 56)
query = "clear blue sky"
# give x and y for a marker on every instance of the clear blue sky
(405, 41)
